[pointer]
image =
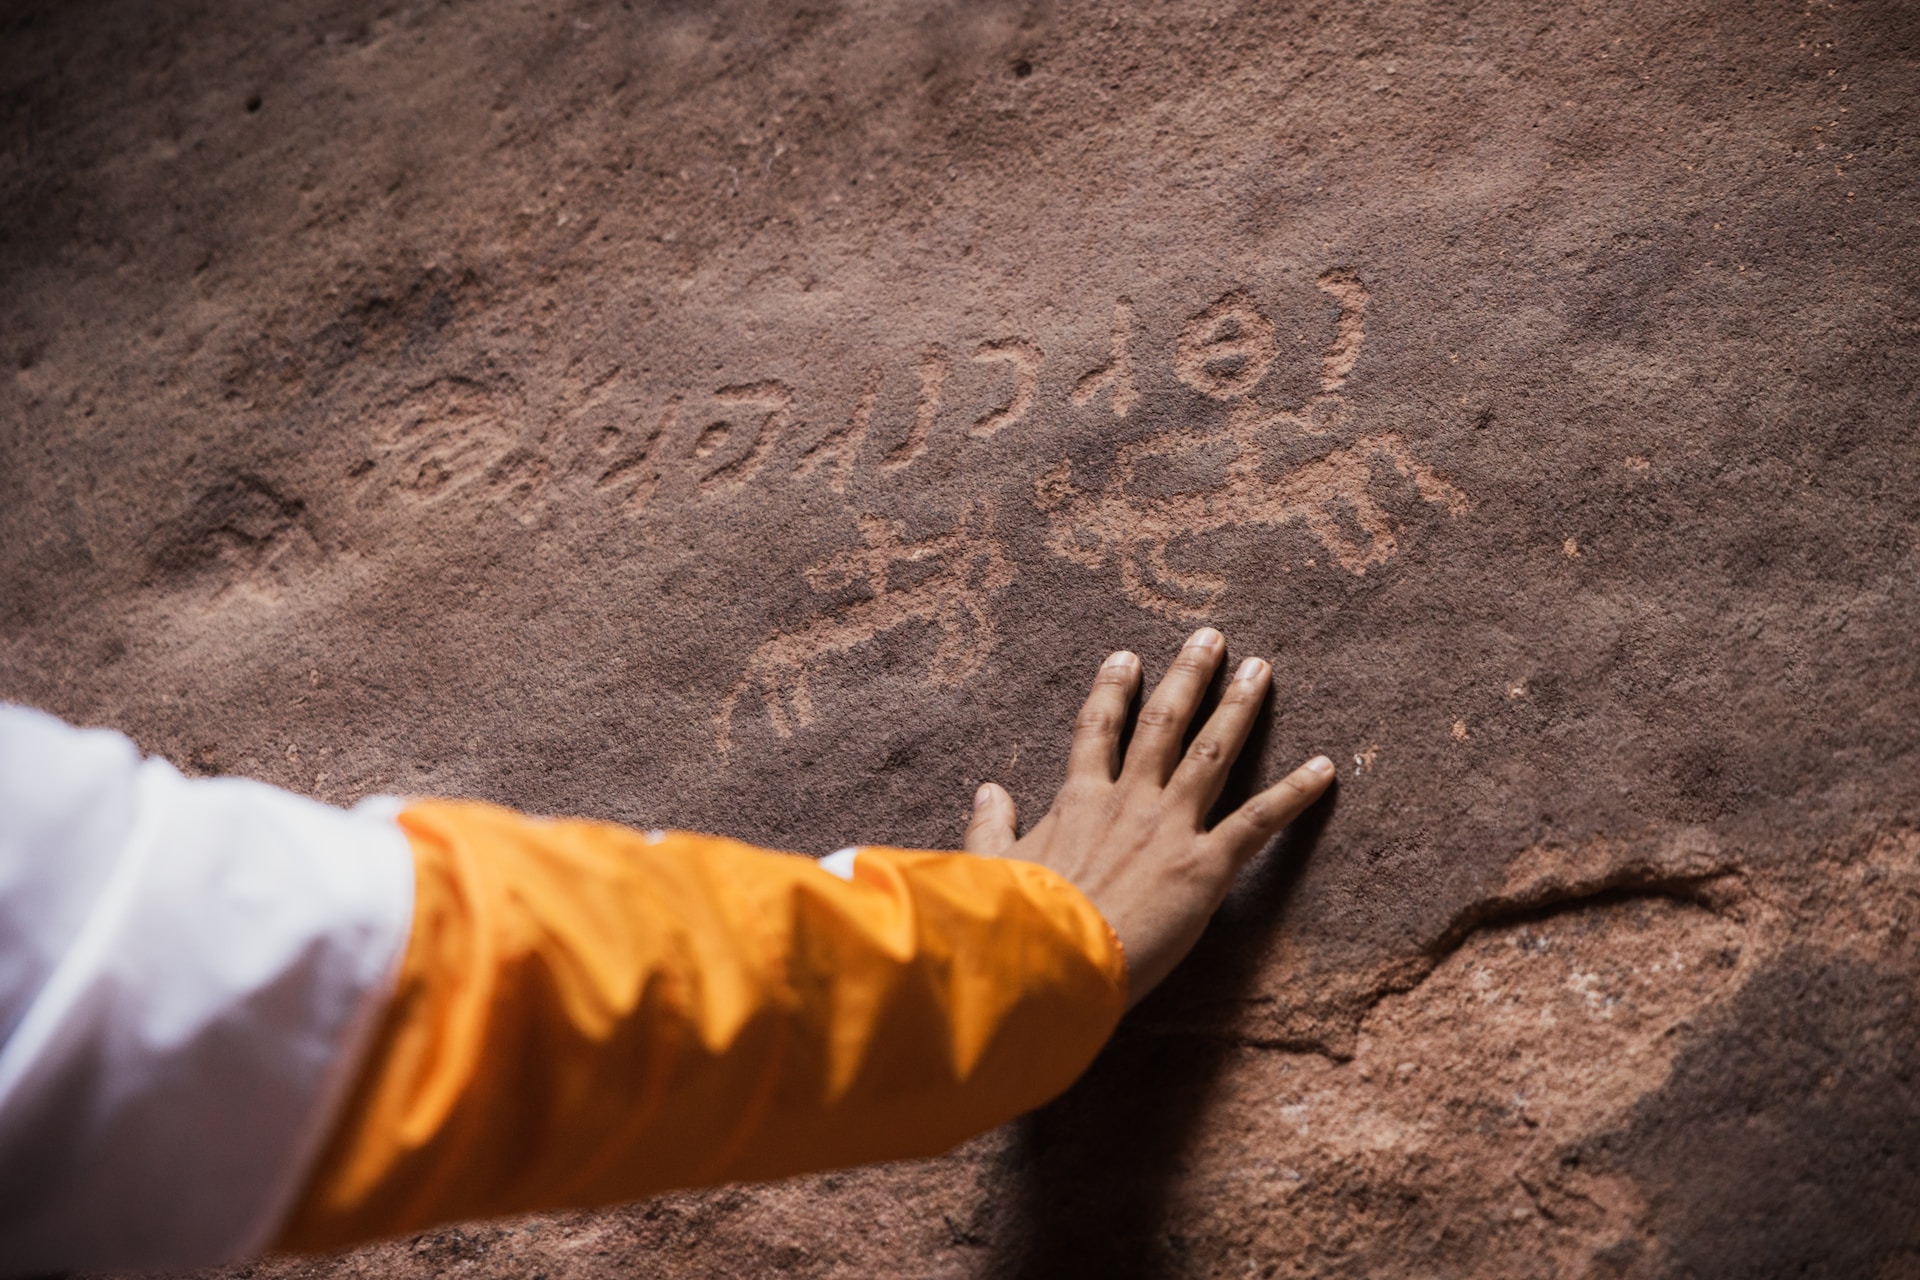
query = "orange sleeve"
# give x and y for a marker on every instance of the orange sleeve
(587, 1014)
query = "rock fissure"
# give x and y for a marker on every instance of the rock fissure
(1713, 891)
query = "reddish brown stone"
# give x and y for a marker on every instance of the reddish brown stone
(762, 419)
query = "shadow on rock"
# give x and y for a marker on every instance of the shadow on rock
(1093, 1171)
(1786, 1142)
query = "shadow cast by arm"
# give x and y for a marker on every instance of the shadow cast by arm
(1090, 1176)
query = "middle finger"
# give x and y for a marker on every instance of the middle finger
(1203, 770)
(1155, 748)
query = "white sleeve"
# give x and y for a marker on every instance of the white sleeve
(189, 973)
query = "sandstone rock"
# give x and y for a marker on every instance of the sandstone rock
(762, 418)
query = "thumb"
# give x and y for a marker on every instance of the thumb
(990, 830)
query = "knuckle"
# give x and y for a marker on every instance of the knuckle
(1110, 678)
(1076, 792)
(1207, 750)
(1260, 812)
(1093, 721)
(1088, 801)
(1159, 716)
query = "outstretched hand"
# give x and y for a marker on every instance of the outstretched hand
(1131, 835)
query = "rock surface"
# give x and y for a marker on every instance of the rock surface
(762, 418)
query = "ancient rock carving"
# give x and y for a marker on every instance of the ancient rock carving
(841, 446)
(729, 476)
(1116, 375)
(1226, 349)
(1025, 358)
(450, 435)
(638, 465)
(1223, 352)
(934, 367)
(969, 566)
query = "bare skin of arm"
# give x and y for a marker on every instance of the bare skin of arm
(1130, 834)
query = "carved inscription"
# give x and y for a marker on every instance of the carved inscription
(1025, 359)
(1223, 352)
(968, 567)
(736, 471)
(934, 368)
(840, 448)
(452, 436)
(1115, 377)
(636, 467)
(449, 436)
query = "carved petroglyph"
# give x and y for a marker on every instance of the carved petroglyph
(735, 472)
(456, 435)
(637, 466)
(1138, 530)
(1223, 352)
(448, 436)
(1344, 351)
(967, 567)
(1226, 349)
(1025, 358)
(1116, 375)
(840, 448)
(447, 440)
(934, 368)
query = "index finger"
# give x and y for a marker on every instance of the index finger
(1096, 730)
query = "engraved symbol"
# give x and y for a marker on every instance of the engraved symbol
(1223, 352)
(1116, 373)
(1344, 351)
(934, 367)
(841, 446)
(967, 567)
(733, 474)
(638, 465)
(452, 435)
(1025, 359)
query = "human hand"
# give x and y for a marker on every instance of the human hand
(1131, 836)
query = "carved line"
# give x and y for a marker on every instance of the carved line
(954, 598)
(842, 445)
(1344, 352)
(643, 460)
(732, 475)
(934, 367)
(1117, 372)
(1025, 358)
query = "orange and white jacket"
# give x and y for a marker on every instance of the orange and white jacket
(234, 1019)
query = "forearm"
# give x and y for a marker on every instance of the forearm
(587, 1014)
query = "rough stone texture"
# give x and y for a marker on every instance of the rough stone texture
(762, 418)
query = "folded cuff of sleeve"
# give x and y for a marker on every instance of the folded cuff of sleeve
(587, 1014)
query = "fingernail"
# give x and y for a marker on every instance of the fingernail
(1321, 766)
(1204, 638)
(983, 795)
(1250, 670)
(1120, 659)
